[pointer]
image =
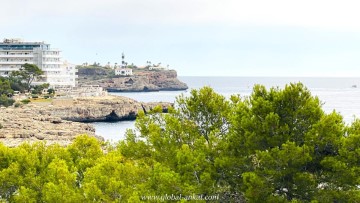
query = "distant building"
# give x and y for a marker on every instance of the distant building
(14, 53)
(156, 68)
(123, 71)
(66, 77)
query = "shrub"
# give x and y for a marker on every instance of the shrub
(25, 101)
(34, 96)
(36, 91)
(1, 126)
(5, 101)
(17, 104)
(51, 91)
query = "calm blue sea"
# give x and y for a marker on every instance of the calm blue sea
(335, 93)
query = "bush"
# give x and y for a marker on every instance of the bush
(17, 104)
(1, 126)
(36, 91)
(51, 91)
(34, 96)
(25, 101)
(5, 101)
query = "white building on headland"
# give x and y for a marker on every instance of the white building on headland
(123, 71)
(14, 53)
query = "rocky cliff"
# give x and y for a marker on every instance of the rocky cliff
(155, 80)
(29, 124)
(54, 123)
(109, 108)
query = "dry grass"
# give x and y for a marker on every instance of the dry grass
(39, 100)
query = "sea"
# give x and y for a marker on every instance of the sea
(339, 94)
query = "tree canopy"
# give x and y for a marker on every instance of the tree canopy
(28, 73)
(276, 145)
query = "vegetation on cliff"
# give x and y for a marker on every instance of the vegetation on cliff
(20, 81)
(273, 146)
(143, 79)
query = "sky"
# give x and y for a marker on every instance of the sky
(310, 38)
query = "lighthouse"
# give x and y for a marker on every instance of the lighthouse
(123, 60)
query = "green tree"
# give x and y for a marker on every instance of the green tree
(6, 101)
(61, 183)
(5, 87)
(5, 91)
(187, 141)
(115, 179)
(17, 84)
(28, 73)
(51, 91)
(276, 145)
(84, 152)
(39, 88)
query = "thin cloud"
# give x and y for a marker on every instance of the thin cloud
(320, 13)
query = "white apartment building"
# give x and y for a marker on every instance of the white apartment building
(14, 53)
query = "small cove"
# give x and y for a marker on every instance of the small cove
(335, 93)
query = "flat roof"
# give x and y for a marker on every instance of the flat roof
(16, 41)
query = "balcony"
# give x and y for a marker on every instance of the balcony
(51, 56)
(52, 69)
(8, 68)
(16, 56)
(58, 76)
(15, 62)
(52, 62)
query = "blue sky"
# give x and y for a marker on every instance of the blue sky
(198, 37)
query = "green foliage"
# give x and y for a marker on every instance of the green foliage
(6, 101)
(51, 91)
(273, 146)
(5, 87)
(17, 104)
(25, 101)
(28, 73)
(38, 89)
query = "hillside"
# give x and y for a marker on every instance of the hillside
(141, 80)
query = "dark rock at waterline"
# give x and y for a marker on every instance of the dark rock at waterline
(102, 109)
(53, 122)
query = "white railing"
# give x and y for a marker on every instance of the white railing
(51, 56)
(15, 62)
(52, 69)
(16, 56)
(8, 69)
(58, 76)
(52, 62)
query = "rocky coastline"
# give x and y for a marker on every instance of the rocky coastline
(141, 81)
(28, 124)
(99, 109)
(63, 119)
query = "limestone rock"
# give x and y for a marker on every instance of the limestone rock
(56, 123)
(25, 125)
(140, 82)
